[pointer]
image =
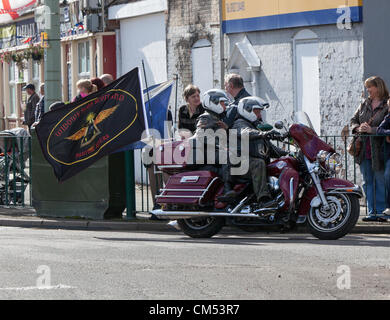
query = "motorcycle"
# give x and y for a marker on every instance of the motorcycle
(304, 186)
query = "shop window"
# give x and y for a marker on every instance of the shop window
(12, 88)
(84, 60)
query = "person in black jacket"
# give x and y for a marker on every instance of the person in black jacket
(189, 113)
(40, 109)
(29, 113)
(260, 149)
(234, 85)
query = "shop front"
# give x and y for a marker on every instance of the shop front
(84, 54)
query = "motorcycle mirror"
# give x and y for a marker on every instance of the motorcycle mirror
(279, 125)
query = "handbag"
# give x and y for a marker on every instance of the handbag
(356, 144)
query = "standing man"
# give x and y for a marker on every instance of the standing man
(40, 109)
(234, 85)
(29, 112)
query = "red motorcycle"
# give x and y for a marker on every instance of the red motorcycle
(303, 185)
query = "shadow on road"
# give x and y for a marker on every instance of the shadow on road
(350, 240)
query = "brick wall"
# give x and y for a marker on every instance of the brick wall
(188, 22)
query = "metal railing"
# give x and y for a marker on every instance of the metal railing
(15, 170)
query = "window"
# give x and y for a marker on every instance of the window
(307, 78)
(202, 65)
(12, 88)
(84, 60)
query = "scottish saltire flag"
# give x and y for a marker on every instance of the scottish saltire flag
(156, 110)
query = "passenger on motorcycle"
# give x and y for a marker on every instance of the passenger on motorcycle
(260, 148)
(214, 102)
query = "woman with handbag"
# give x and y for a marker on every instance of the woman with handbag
(384, 129)
(365, 122)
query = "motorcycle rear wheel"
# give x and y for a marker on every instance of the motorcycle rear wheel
(201, 227)
(336, 222)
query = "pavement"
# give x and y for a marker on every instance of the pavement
(26, 218)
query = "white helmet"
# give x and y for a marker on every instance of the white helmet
(212, 100)
(248, 104)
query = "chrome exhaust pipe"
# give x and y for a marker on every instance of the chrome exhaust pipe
(173, 215)
(266, 211)
(235, 212)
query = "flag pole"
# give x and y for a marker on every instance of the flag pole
(129, 165)
(157, 189)
(176, 77)
(147, 92)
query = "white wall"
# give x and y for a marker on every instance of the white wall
(143, 38)
(340, 62)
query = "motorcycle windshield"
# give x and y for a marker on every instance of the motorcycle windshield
(305, 136)
(304, 119)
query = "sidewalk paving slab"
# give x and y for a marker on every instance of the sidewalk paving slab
(27, 218)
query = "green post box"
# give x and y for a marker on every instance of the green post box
(97, 192)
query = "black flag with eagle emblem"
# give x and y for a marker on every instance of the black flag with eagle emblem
(76, 135)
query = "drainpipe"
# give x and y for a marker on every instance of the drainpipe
(255, 74)
(222, 44)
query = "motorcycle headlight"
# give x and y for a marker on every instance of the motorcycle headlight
(334, 163)
(322, 155)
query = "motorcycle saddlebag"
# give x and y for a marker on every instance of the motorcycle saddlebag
(190, 188)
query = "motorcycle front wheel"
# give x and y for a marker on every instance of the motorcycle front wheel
(336, 221)
(201, 227)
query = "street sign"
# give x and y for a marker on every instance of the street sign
(44, 40)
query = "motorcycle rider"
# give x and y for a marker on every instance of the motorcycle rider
(260, 147)
(214, 102)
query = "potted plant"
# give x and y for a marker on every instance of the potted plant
(37, 53)
(18, 58)
(6, 57)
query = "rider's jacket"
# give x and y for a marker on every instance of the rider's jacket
(260, 145)
(201, 140)
(231, 111)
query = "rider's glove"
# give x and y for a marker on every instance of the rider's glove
(274, 135)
